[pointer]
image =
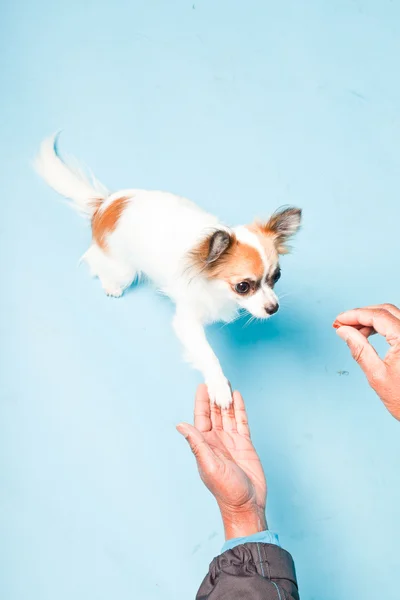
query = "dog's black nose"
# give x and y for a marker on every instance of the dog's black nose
(271, 310)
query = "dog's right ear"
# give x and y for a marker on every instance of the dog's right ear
(218, 243)
(206, 256)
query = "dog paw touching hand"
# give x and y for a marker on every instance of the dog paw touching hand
(219, 391)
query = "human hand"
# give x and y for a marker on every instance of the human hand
(354, 327)
(228, 463)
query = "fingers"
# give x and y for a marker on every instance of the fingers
(381, 320)
(202, 415)
(216, 417)
(363, 353)
(201, 450)
(229, 419)
(389, 307)
(242, 424)
(234, 418)
(367, 331)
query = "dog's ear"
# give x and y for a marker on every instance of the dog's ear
(207, 256)
(218, 244)
(282, 225)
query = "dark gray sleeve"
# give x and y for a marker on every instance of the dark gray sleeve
(252, 571)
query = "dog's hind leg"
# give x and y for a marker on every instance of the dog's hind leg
(114, 275)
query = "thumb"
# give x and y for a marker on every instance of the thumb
(362, 351)
(197, 443)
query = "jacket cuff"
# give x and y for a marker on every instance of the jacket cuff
(264, 537)
(267, 560)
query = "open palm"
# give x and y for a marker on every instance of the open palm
(227, 461)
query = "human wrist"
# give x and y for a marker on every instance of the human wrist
(243, 521)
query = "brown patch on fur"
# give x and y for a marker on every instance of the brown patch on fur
(239, 262)
(105, 221)
(267, 240)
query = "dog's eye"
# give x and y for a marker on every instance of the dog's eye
(243, 287)
(276, 276)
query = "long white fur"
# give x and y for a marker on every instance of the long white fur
(153, 237)
(68, 181)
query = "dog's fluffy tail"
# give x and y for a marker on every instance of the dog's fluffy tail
(85, 191)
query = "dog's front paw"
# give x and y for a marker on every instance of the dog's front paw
(113, 291)
(219, 391)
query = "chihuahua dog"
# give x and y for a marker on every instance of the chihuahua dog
(209, 270)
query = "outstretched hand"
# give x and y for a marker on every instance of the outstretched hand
(355, 326)
(228, 463)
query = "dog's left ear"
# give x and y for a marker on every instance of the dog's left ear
(283, 224)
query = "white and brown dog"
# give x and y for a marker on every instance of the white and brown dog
(209, 270)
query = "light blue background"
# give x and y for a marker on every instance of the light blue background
(242, 107)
